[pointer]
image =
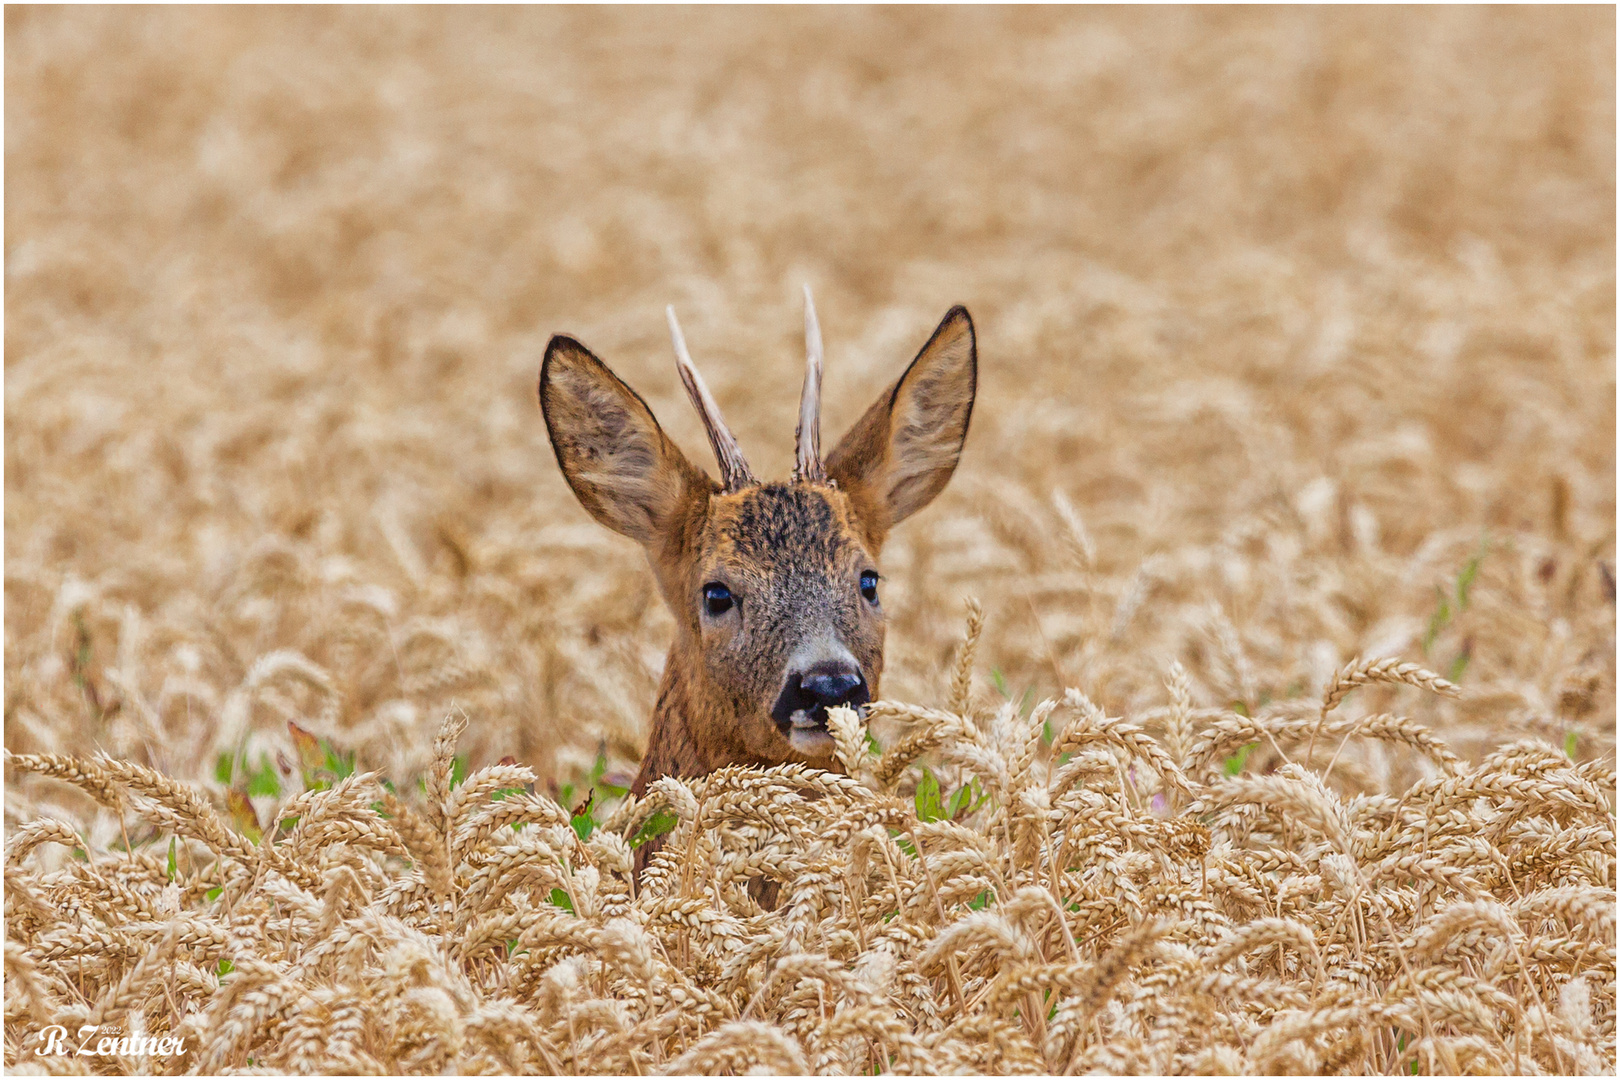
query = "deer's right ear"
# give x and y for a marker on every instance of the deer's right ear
(622, 467)
(903, 451)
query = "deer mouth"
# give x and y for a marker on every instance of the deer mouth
(807, 732)
(801, 710)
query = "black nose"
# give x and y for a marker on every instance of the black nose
(807, 695)
(829, 690)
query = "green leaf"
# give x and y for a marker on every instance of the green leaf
(983, 797)
(1400, 1048)
(929, 806)
(458, 770)
(214, 893)
(1470, 570)
(560, 898)
(999, 681)
(341, 765)
(1569, 745)
(982, 901)
(872, 746)
(1460, 665)
(1465, 580)
(583, 825)
(1437, 621)
(660, 823)
(264, 780)
(225, 968)
(223, 769)
(1449, 604)
(174, 865)
(966, 800)
(1235, 763)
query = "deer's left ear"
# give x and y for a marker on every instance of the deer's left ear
(903, 451)
(622, 467)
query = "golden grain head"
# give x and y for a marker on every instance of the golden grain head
(1268, 924)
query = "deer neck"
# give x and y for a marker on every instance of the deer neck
(673, 747)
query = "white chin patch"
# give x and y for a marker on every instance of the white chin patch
(812, 743)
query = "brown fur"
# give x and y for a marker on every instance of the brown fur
(791, 554)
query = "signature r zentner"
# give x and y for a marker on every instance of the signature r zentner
(55, 1044)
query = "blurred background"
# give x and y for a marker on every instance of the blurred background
(1296, 344)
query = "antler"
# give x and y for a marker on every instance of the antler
(734, 474)
(807, 437)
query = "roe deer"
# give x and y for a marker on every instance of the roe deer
(773, 586)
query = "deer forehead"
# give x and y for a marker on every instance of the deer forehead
(775, 528)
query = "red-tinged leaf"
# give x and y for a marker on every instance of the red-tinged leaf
(309, 746)
(243, 814)
(585, 807)
(508, 760)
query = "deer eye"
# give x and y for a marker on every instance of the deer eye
(869, 580)
(717, 598)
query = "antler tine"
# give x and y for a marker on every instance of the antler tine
(734, 473)
(807, 437)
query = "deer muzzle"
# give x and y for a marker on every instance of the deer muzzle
(801, 708)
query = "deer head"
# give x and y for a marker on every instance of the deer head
(774, 586)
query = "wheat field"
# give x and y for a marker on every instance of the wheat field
(1250, 692)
